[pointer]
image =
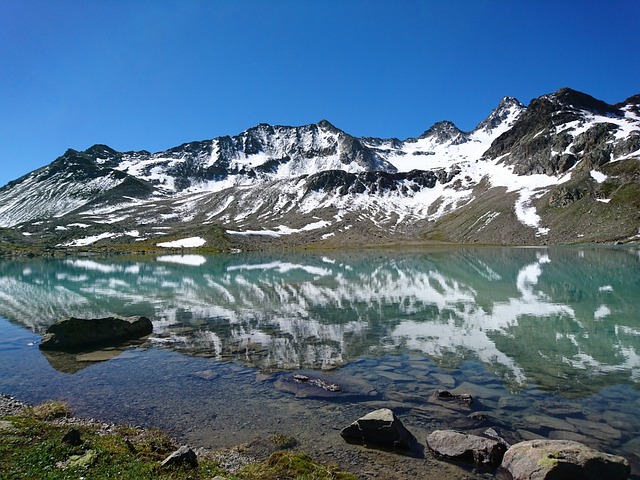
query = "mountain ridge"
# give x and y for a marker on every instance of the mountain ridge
(510, 180)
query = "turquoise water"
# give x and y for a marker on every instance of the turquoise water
(546, 340)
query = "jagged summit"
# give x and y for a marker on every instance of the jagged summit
(524, 175)
(444, 131)
(507, 111)
(327, 125)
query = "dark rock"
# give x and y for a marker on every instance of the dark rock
(73, 332)
(380, 427)
(318, 382)
(537, 141)
(327, 387)
(377, 182)
(561, 459)
(565, 196)
(183, 455)
(462, 447)
(463, 397)
(72, 437)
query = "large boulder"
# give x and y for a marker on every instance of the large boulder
(74, 332)
(462, 447)
(380, 427)
(562, 459)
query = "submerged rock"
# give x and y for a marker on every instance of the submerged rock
(74, 332)
(554, 459)
(327, 387)
(480, 451)
(380, 427)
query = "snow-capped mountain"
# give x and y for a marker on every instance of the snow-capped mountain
(564, 169)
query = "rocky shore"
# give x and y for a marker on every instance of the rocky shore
(361, 462)
(393, 452)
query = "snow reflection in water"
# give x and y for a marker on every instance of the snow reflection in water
(521, 329)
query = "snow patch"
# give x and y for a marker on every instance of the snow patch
(282, 230)
(601, 312)
(89, 240)
(598, 176)
(527, 213)
(190, 242)
(192, 260)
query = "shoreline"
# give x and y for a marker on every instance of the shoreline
(363, 463)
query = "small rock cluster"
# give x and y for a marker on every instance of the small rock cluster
(529, 460)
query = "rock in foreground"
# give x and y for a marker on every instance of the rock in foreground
(562, 459)
(380, 427)
(183, 455)
(463, 447)
(74, 332)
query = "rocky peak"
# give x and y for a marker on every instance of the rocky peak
(101, 151)
(508, 110)
(445, 131)
(328, 126)
(631, 104)
(567, 98)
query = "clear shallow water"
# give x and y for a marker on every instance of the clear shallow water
(546, 340)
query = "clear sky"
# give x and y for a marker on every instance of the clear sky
(154, 74)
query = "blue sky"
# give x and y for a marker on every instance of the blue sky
(154, 74)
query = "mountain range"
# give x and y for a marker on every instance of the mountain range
(563, 170)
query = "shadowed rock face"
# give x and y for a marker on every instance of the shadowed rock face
(380, 427)
(74, 332)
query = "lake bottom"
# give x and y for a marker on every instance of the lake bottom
(214, 404)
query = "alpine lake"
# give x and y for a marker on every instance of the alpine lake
(545, 340)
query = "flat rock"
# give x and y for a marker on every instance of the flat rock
(599, 430)
(462, 447)
(478, 391)
(560, 459)
(396, 377)
(380, 427)
(71, 332)
(445, 380)
(573, 436)
(545, 421)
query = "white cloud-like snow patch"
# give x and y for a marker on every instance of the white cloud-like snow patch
(601, 312)
(190, 242)
(90, 240)
(598, 176)
(192, 260)
(282, 230)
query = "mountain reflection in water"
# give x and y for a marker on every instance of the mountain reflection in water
(563, 319)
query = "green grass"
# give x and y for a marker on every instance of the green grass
(286, 465)
(31, 447)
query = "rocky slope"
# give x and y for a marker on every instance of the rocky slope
(565, 169)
